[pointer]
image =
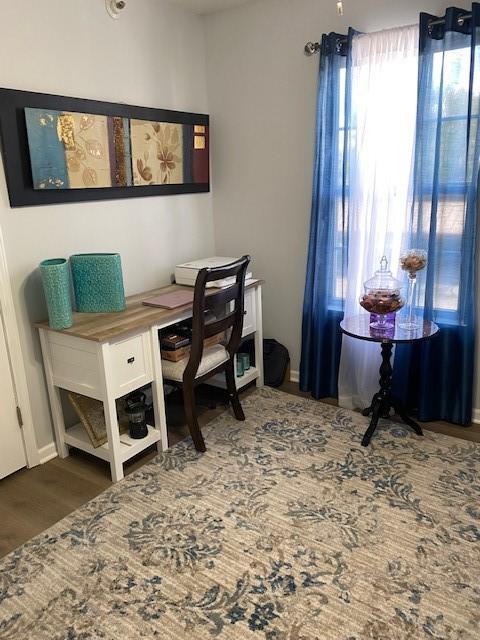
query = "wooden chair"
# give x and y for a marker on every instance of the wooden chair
(205, 363)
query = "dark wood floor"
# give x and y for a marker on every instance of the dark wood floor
(471, 433)
(32, 500)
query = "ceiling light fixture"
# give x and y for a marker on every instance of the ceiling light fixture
(114, 7)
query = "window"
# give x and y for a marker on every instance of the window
(338, 285)
(445, 141)
(444, 146)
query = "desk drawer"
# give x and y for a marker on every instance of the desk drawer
(249, 318)
(131, 363)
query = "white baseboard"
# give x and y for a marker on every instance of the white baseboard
(48, 452)
(294, 376)
(476, 416)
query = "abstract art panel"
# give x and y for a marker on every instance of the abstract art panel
(120, 154)
(78, 150)
(83, 151)
(47, 153)
(200, 154)
(85, 138)
(157, 152)
(195, 154)
(165, 153)
(60, 149)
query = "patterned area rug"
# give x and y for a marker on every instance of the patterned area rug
(286, 529)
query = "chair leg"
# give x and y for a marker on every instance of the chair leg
(232, 391)
(190, 411)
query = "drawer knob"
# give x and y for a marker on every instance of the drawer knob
(131, 360)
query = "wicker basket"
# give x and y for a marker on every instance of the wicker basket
(183, 352)
(90, 412)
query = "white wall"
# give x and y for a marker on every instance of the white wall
(262, 94)
(153, 55)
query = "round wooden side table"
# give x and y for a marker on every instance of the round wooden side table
(383, 401)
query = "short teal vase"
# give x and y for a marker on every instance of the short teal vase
(56, 285)
(98, 282)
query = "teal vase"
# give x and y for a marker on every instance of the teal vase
(98, 282)
(56, 285)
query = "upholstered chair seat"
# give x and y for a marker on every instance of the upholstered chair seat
(211, 358)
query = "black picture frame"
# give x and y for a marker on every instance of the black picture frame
(16, 157)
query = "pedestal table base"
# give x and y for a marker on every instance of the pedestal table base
(383, 401)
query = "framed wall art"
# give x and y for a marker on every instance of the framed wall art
(58, 149)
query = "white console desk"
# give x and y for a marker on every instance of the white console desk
(108, 355)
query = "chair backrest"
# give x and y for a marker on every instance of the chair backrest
(228, 303)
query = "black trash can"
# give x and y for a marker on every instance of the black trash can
(275, 360)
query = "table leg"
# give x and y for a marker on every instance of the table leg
(384, 406)
(157, 393)
(259, 337)
(55, 399)
(383, 401)
(373, 424)
(111, 422)
(401, 411)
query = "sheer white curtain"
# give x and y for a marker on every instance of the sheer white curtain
(384, 101)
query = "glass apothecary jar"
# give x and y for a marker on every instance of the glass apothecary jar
(412, 261)
(382, 295)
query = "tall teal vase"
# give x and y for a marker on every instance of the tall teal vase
(98, 282)
(56, 285)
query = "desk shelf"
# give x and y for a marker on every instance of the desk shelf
(249, 376)
(241, 381)
(77, 437)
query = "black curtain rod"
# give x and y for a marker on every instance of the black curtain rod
(460, 20)
(314, 47)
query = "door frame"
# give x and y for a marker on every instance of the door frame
(12, 338)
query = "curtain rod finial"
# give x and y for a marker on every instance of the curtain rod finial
(311, 48)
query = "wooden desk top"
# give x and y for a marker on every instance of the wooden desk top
(103, 327)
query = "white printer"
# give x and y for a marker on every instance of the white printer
(187, 273)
